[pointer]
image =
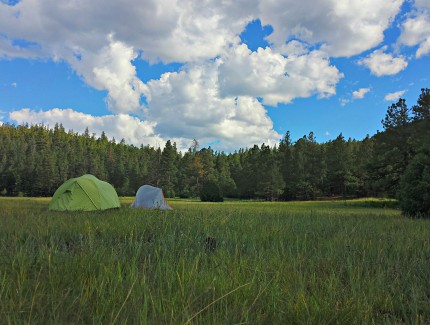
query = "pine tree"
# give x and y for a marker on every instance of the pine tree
(225, 181)
(397, 115)
(421, 111)
(339, 167)
(168, 169)
(285, 157)
(270, 184)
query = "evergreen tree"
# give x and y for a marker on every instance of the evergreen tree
(226, 183)
(270, 182)
(308, 169)
(250, 176)
(339, 167)
(286, 165)
(154, 167)
(35, 160)
(397, 115)
(421, 111)
(362, 155)
(415, 187)
(185, 184)
(168, 169)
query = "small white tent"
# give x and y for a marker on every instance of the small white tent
(150, 197)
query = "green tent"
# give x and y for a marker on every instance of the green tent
(85, 193)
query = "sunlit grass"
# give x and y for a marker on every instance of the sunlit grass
(345, 262)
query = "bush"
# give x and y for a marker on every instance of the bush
(414, 194)
(211, 192)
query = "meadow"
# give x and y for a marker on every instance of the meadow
(332, 262)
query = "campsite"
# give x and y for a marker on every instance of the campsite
(346, 262)
(233, 162)
(299, 233)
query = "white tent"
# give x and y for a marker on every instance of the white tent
(150, 197)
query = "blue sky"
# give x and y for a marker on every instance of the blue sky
(229, 74)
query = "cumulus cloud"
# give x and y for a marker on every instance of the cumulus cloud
(359, 94)
(100, 39)
(216, 100)
(118, 126)
(275, 78)
(394, 96)
(163, 29)
(230, 132)
(416, 29)
(188, 104)
(111, 69)
(345, 28)
(214, 96)
(382, 64)
(293, 48)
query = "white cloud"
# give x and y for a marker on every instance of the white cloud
(163, 29)
(416, 30)
(119, 126)
(186, 30)
(188, 104)
(359, 94)
(394, 96)
(100, 39)
(275, 78)
(215, 100)
(111, 69)
(381, 64)
(230, 132)
(14, 84)
(294, 48)
(214, 96)
(345, 28)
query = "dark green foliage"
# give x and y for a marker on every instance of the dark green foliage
(414, 195)
(168, 169)
(400, 164)
(305, 168)
(397, 115)
(211, 192)
(35, 160)
(422, 109)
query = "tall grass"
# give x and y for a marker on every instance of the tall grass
(275, 263)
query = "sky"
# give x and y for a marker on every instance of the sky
(229, 73)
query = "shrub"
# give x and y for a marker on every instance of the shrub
(414, 194)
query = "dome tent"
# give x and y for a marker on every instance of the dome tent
(85, 193)
(150, 197)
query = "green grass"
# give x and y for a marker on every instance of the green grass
(334, 262)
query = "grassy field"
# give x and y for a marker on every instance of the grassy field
(334, 262)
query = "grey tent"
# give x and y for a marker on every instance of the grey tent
(150, 197)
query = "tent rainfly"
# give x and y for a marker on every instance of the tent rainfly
(85, 193)
(150, 197)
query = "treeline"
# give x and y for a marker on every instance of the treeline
(35, 160)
